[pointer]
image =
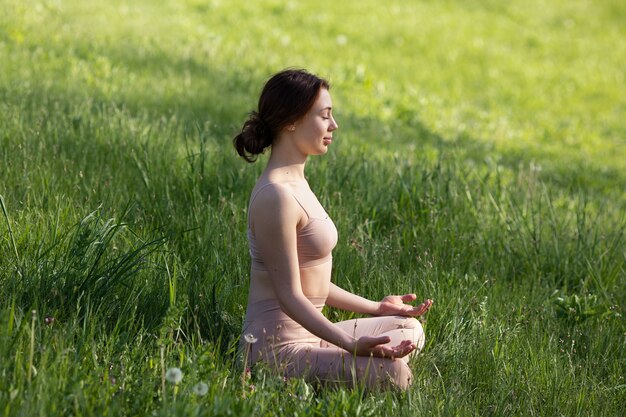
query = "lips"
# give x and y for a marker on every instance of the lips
(328, 140)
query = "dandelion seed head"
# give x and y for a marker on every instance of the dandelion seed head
(174, 375)
(250, 338)
(200, 389)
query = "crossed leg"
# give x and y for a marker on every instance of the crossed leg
(331, 364)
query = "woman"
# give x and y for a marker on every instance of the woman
(291, 238)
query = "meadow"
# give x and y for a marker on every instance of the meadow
(480, 162)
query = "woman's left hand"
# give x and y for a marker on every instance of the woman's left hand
(394, 305)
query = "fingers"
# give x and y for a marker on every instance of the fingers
(423, 308)
(382, 350)
(407, 298)
(401, 350)
(403, 345)
(396, 305)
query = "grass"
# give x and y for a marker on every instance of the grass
(479, 162)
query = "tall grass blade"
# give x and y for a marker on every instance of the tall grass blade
(13, 244)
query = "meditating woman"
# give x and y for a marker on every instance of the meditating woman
(291, 238)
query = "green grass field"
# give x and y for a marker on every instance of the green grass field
(480, 161)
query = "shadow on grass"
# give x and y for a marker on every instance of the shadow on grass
(221, 98)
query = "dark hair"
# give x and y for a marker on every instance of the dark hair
(286, 98)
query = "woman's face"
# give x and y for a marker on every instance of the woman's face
(314, 132)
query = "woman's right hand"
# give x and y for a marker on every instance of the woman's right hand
(377, 346)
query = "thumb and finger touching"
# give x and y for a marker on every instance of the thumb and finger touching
(377, 346)
(407, 298)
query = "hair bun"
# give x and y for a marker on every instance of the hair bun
(261, 128)
(255, 137)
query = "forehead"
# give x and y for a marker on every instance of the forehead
(323, 100)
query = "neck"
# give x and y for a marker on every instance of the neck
(285, 164)
(284, 168)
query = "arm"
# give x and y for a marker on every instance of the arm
(345, 300)
(275, 216)
(391, 305)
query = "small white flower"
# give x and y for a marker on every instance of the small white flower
(174, 375)
(200, 388)
(250, 338)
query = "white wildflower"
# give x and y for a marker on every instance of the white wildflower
(250, 338)
(200, 388)
(174, 375)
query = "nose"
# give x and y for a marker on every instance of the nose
(333, 124)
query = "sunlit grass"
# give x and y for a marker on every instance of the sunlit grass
(479, 162)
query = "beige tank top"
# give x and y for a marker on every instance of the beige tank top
(315, 240)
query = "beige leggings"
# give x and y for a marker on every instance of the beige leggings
(286, 346)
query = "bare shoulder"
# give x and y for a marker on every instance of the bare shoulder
(274, 202)
(271, 195)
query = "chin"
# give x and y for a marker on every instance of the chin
(318, 151)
